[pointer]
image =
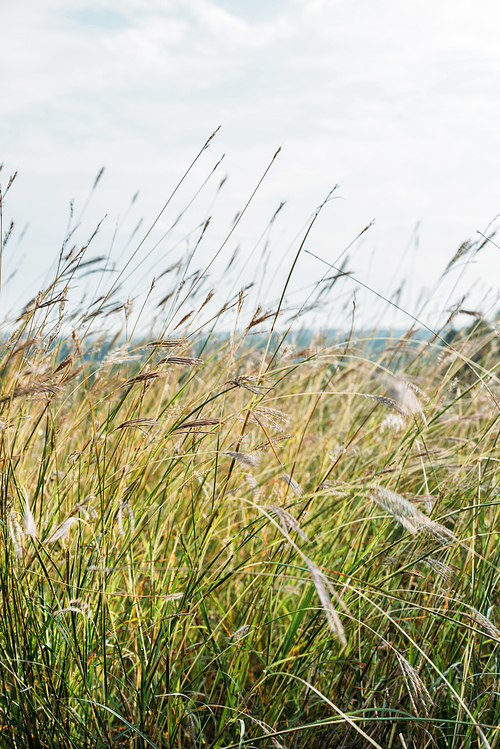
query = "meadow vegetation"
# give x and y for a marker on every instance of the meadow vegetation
(227, 540)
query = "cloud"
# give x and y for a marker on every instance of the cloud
(397, 101)
(99, 18)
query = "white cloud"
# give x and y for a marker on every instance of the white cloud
(397, 101)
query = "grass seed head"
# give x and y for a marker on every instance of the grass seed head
(407, 515)
(287, 521)
(332, 617)
(62, 530)
(293, 484)
(416, 688)
(243, 458)
(401, 396)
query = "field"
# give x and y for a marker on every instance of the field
(225, 540)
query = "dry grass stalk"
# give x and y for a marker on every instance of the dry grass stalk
(464, 248)
(416, 688)
(287, 521)
(442, 569)
(259, 317)
(139, 423)
(249, 383)
(186, 361)
(475, 616)
(168, 343)
(145, 377)
(37, 390)
(195, 424)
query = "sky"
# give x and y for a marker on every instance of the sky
(397, 103)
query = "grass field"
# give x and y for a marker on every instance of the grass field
(229, 541)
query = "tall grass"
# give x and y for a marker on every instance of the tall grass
(235, 541)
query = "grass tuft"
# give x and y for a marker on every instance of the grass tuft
(221, 540)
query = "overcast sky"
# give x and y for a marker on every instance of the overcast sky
(397, 101)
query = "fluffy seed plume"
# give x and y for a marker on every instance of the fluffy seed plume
(118, 356)
(125, 506)
(272, 416)
(62, 530)
(405, 395)
(333, 619)
(407, 515)
(247, 460)
(77, 606)
(16, 533)
(29, 521)
(389, 403)
(308, 352)
(240, 633)
(294, 485)
(276, 438)
(67, 362)
(252, 483)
